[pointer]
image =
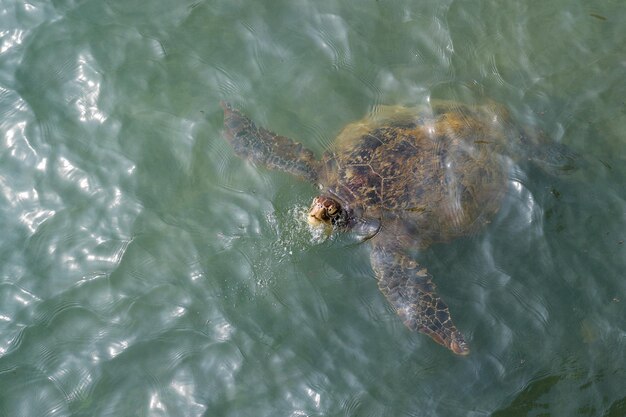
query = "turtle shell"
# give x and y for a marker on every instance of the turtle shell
(439, 171)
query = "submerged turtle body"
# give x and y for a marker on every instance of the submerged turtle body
(441, 175)
(418, 175)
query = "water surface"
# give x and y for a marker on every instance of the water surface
(146, 271)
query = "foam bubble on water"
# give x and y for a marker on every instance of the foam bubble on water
(293, 236)
(319, 234)
(296, 234)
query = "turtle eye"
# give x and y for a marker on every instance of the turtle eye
(331, 210)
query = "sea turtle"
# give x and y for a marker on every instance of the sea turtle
(411, 177)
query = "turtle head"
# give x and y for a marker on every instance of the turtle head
(328, 212)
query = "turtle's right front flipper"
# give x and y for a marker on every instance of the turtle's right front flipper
(264, 147)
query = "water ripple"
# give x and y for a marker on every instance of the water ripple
(11, 324)
(11, 39)
(330, 34)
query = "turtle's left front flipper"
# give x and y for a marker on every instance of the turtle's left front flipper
(410, 290)
(264, 147)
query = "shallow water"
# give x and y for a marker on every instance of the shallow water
(146, 270)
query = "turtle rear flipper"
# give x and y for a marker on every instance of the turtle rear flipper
(410, 290)
(552, 157)
(556, 158)
(264, 147)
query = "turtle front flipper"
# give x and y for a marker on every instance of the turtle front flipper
(410, 290)
(267, 148)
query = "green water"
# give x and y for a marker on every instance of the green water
(146, 271)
